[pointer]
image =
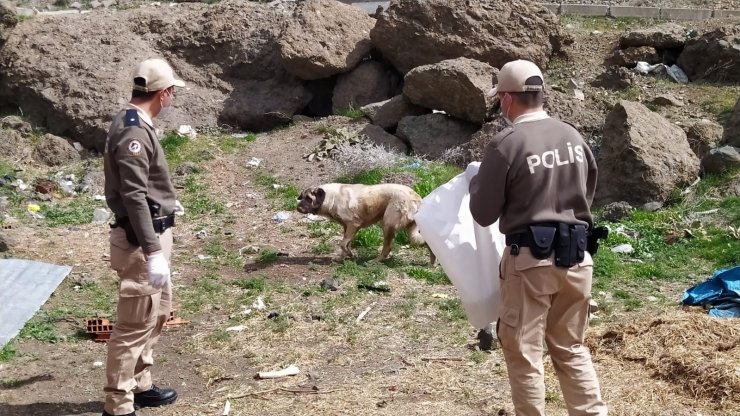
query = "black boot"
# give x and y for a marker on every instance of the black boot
(154, 397)
(127, 414)
(485, 339)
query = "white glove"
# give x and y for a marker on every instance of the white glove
(159, 270)
(471, 170)
(179, 209)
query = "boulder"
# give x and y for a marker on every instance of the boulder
(720, 160)
(664, 36)
(616, 211)
(431, 134)
(14, 146)
(388, 113)
(8, 19)
(629, 57)
(732, 132)
(476, 147)
(667, 100)
(55, 151)
(368, 83)
(6, 242)
(457, 86)
(491, 32)
(379, 136)
(714, 56)
(703, 136)
(643, 156)
(614, 78)
(70, 74)
(565, 107)
(324, 38)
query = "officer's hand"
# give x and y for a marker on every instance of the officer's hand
(179, 209)
(471, 170)
(159, 270)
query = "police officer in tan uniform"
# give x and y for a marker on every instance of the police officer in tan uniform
(140, 193)
(538, 178)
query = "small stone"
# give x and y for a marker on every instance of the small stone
(6, 243)
(100, 215)
(78, 147)
(76, 5)
(273, 314)
(95, 4)
(97, 364)
(623, 249)
(202, 234)
(652, 299)
(652, 206)
(485, 340)
(186, 168)
(667, 100)
(330, 284)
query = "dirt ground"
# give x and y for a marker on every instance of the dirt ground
(409, 355)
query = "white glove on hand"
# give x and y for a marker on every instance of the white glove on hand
(471, 170)
(179, 209)
(159, 270)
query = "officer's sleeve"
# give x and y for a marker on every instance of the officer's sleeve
(132, 157)
(488, 188)
(593, 173)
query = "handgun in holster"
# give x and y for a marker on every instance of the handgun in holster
(594, 235)
(128, 227)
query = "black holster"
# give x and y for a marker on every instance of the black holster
(594, 235)
(129, 229)
(570, 246)
(568, 242)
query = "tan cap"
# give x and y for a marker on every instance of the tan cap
(513, 76)
(158, 75)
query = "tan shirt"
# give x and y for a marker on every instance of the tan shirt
(136, 174)
(537, 170)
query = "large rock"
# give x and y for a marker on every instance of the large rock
(476, 147)
(714, 56)
(643, 156)
(720, 160)
(431, 134)
(379, 136)
(6, 242)
(585, 119)
(732, 132)
(324, 38)
(412, 33)
(368, 83)
(664, 36)
(55, 151)
(70, 74)
(703, 136)
(14, 146)
(458, 86)
(629, 57)
(8, 19)
(388, 113)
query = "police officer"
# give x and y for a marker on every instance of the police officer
(140, 193)
(538, 178)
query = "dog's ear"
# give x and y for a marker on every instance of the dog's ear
(319, 195)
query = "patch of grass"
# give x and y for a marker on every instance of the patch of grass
(215, 248)
(352, 112)
(267, 256)
(433, 175)
(370, 237)
(631, 93)
(590, 23)
(431, 276)
(6, 168)
(205, 290)
(279, 324)
(478, 357)
(452, 310)
(197, 201)
(9, 383)
(367, 275)
(323, 247)
(172, 144)
(40, 330)
(77, 212)
(721, 103)
(253, 284)
(8, 352)
(371, 177)
(229, 144)
(285, 195)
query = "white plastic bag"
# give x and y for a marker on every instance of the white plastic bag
(468, 253)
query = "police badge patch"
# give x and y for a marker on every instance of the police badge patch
(134, 146)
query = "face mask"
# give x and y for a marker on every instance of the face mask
(166, 109)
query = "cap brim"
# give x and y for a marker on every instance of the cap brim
(179, 83)
(493, 91)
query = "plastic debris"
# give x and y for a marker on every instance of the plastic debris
(291, 370)
(623, 249)
(254, 162)
(259, 304)
(34, 208)
(675, 72)
(281, 216)
(238, 328)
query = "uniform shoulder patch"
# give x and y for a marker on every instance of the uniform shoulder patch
(132, 118)
(132, 147)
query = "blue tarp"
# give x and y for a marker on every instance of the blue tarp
(721, 294)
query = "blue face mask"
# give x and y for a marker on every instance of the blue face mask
(166, 109)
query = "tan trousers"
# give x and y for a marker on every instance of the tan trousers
(142, 312)
(542, 301)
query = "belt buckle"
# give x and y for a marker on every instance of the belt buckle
(515, 249)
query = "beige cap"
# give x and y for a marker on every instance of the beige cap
(158, 75)
(513, 76)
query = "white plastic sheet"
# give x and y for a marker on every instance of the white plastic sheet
(468, 253)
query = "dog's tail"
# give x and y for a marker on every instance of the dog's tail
(415, 235)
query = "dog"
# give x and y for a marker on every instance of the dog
(356, 206)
